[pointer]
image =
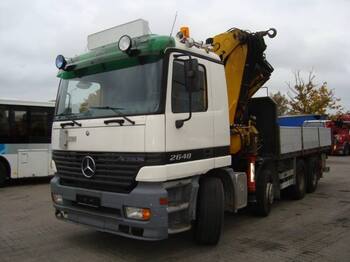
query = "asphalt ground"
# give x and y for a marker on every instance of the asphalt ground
(316, 228)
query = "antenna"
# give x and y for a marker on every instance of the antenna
(172, 28)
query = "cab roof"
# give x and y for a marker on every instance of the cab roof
(149, 48)
(109, 57)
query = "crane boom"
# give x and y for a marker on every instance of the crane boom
(246, 70)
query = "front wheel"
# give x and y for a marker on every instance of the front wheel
(264, 193)
(210, 211)
(346, 151)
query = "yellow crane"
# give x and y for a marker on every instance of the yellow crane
(246, 71)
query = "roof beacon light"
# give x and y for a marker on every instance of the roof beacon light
(185, 31)
(60, 62)
(183, 35)
(124, 43)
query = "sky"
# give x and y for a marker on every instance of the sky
(312, 35)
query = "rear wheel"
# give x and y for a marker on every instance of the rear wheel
(210, 211)
(298, 190)
(312, 175)
(346, 151)
(3, 175)
(264, 193)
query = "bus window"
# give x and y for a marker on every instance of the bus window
(20, 125)
(39, 126)
(4, 123)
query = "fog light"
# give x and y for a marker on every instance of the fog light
(57, 198)
(138, 213)
(65, 214)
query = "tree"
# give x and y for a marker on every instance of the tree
(282, 103)
(307, 98)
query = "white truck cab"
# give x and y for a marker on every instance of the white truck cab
(118, 147)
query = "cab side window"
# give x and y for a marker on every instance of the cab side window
(180, 95)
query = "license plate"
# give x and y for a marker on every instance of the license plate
(88, 201)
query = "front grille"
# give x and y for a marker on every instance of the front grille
(115, 172)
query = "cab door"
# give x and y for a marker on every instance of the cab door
(195, 139)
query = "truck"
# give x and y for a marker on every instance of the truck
(340, 132)
(156, 135)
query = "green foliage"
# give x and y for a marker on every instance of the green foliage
(282, 103)
(307, 98)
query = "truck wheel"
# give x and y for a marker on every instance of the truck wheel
(299, 189)
(210, 211)
(346, 151)
(312, 176)
(264, 193)
(2, 175)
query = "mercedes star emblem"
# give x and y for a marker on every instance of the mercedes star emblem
(88, 166)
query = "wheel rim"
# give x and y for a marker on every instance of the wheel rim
(269, 193)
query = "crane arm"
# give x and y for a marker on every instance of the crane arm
(246, 68)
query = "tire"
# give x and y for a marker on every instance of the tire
(313, 175)
(264, 192)
(299, 189)
(210, 211)
(3, 175)
(346, 151)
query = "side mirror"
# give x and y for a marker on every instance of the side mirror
(192, 75)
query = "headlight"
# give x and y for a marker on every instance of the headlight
(138, 213)
(124, 43)
(57, 198)
(60, 62)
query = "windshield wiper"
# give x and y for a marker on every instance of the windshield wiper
(115, 110)
(71, 123)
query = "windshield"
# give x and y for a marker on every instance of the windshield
(128, 91)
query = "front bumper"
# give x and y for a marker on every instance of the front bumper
(109, 216)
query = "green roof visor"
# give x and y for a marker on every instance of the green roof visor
(147, 49)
